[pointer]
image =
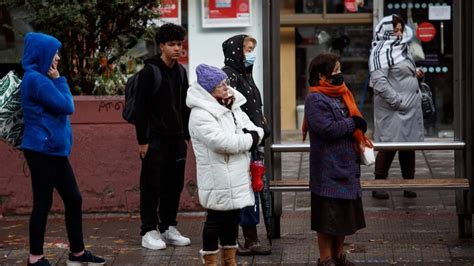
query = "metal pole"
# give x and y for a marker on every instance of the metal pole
(462, 51)
(271, 90)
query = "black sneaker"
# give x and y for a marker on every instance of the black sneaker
(41, 262)
(85, 259)
(409, 194)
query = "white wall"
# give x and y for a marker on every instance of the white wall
(205, 44)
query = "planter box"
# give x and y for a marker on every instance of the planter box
(105, 161)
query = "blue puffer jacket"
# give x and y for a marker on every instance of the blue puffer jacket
(47, 103)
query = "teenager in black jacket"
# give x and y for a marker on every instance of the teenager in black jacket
(162, 133)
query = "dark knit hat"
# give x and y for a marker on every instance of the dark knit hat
(209, 76)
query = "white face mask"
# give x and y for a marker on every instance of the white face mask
(250, 58)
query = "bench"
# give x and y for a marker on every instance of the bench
(386, 184)
(460, 185)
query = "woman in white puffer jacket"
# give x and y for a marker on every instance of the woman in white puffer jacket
(222, 135)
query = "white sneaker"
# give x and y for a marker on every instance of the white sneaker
(153, 240)
(173, 237)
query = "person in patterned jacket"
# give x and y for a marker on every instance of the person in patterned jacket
(239, 52)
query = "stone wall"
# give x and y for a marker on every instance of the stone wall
(105, 161)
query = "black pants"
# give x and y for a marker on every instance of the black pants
(48, 173)
(384, 161)
(220, 226)
(161, 183)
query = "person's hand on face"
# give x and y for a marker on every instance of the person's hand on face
(53, 69)
(223, 94)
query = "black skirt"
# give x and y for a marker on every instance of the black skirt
(339, 217)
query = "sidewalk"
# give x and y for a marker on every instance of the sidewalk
(401, 231)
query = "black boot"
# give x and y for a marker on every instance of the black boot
(252, 245)
(380, 194)
(409, 194)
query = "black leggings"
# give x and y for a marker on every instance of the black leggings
(49, 172)
(384, 161)
(220, 226)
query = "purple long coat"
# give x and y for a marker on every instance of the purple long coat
(334, 163)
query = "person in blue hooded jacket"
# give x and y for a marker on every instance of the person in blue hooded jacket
(47, 103)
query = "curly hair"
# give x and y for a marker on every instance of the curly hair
(322, 64)
(169, 32)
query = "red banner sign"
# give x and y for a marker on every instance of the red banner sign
(425, 32)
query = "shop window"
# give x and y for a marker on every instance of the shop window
(333, 6)
(351, 42)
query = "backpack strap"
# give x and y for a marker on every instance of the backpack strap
(182, 73)
(157, 76)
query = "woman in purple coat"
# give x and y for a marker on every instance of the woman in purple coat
(336, 130)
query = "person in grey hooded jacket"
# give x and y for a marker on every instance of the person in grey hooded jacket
(397, 98)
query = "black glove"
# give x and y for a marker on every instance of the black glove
(360, 123)
(266, 131)
(254, 135)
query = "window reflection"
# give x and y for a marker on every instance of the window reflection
(332, 6)
(351, 42)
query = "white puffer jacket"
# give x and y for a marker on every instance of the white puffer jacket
(221, 149)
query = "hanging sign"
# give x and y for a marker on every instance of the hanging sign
(170, 12)
(184, 58)
(439, 13)
(425, 32)
(226, 13)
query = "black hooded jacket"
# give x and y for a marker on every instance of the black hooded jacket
(161, 111)
(240, 78)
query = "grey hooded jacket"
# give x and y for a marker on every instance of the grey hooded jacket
(397, 103)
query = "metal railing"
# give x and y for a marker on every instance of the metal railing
(385, 146)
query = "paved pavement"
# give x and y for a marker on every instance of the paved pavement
(401, 231)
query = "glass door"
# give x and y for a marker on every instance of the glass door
(432, 21)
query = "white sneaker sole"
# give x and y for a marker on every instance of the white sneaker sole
(176, 243)
(77, 263)
(148, 246)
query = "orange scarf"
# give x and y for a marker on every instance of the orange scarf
(340, 91)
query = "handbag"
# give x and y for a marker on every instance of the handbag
(427, 104)
(257, 170)
(367, 156)
(11, 114)
(416, 50)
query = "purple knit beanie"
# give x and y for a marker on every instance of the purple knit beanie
(209, 76)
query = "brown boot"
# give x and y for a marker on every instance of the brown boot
(327, 262)
(209, 257)
(252, 245)
(228, 256)
(343, 261)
